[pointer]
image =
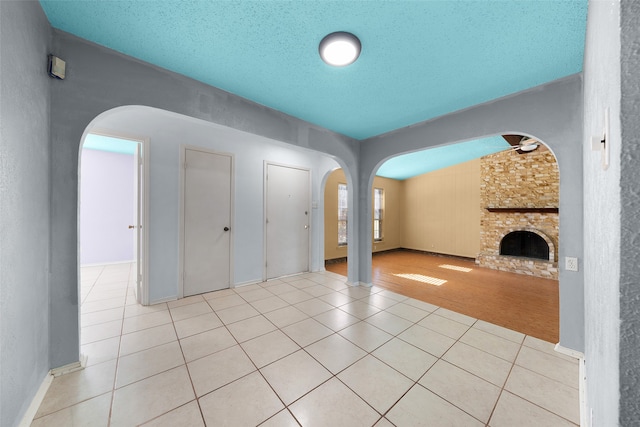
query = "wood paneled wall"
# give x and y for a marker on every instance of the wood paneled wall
(441, 211)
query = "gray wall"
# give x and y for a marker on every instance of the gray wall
(630, 218)
(551, 113)
(98, 80)
(24, 206)
(602, 212)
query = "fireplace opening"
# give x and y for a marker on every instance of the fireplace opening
(524, 244)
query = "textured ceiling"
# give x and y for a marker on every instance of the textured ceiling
(420, 59)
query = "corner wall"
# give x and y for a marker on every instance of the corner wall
(602, 201)
(630, 219)
(25, 37)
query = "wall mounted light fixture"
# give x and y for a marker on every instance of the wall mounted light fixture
(340, 49)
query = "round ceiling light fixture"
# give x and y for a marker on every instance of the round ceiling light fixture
(339, 49)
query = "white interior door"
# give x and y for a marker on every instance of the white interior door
(138, 216)
(287, 221)
(207, 222)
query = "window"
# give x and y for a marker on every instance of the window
(342, 214)
(378, 213)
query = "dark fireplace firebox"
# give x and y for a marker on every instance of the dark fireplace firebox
(526, 244)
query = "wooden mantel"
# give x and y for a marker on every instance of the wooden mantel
(523, 210)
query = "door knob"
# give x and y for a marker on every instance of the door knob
(226, 229)
(306, 226)
(132, 226)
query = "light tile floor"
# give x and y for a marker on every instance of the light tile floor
(303, 350)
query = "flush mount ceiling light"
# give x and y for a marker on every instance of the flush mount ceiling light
(339, 49)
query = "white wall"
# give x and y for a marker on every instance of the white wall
(601, 212)
(167, 133)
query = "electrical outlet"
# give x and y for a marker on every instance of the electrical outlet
(571, 263)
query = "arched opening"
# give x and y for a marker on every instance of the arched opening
(454, 217)
(524, 243)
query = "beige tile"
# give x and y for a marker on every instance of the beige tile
(296, 296)
(318, 290)
(137, 310)
(269, 348)
(280, 288)
(388, 322)
(221, 407)
(191, 310)
(445, 326)
(219, 294)
(313, 307)
(101, 351)
(97, 317)
(505, 333)
(218, 369)
(237, 313)
(197, 324)
(247, 329)
(92, 412)
(285, 316)
(359, 309)
(485, 365)
(206, 343)
(376, 383)
(393, 295)
(336, 319)
(550, 366)
(515, 411)
(185, 301)
(379, 301)
(145, 321)
(383, 423)
(336, 299)
(145, 400)
(552, 395)
(472, 394)
(420, 407)
(333, 404)
(90, 307)
(269, 304)
(357, 292)
(281, 419)
(492, 344)
(184, 416)
(427, 340)
(421, 305)
(99, 295)
(225, 302)
(100, 331)
(337, 284)
(306, 332)
(460, 318)
(408, 312)
(302, 283)
(335, 352)
(295, 375)
(141, 340)
(404, 357)
(547, 347)
(67, 390)
(256, 294)
(365, 336)
(146, 363)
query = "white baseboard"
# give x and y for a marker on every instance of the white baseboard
(98, 264)
(249, 283)
(364, 284)
(27, 419)
(71, 367)
(568, 352)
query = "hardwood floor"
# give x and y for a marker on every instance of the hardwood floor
(525, 304)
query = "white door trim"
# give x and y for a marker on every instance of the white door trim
(145, 143)
(181, 182)
(266, 165)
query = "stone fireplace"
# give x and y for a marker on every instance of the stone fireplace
(519, 213)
